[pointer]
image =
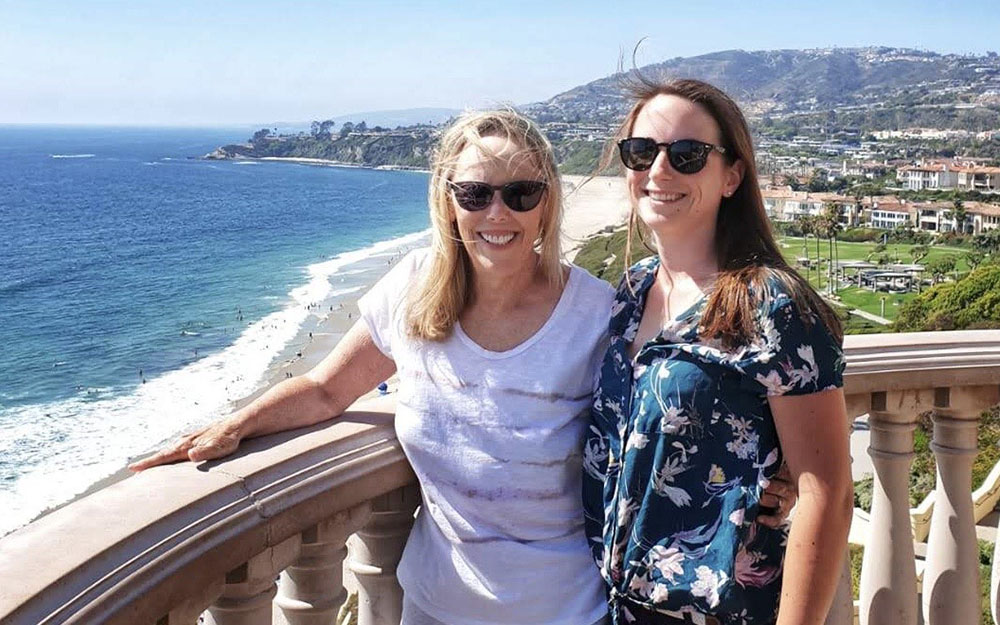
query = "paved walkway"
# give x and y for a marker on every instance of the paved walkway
(871, 317)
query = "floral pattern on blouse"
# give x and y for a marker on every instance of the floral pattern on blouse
(681, 446)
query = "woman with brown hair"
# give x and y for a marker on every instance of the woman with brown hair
(723, 362)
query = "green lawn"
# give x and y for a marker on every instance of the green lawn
(870, 302)
(792, 248)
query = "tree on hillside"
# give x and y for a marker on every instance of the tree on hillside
(818, 182)
(918, 252)
(260, 135)
(960, 214)
(346, 128)
(974, 258)
(940, 266)
(987, 242)
(877, 255)
(809, 225)
(973, 302)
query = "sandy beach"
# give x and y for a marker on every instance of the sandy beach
(591, 206)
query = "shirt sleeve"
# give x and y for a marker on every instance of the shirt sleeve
(795, 357)
(381, 307)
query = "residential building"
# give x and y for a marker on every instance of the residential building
(866, 169)
(985, 179)
(888, 213)
(928, 176)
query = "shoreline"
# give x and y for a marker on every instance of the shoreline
(317, 162)
(590, 207)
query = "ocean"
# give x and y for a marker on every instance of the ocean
(143, 289)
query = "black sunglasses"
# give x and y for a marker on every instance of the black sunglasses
(520, 195)
(686, 156)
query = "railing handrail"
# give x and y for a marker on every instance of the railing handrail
(914, 360)
(189, 524)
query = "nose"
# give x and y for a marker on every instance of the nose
(661, 165)
(497, 210)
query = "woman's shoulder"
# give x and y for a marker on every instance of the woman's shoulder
(637, 277)
(589, 283)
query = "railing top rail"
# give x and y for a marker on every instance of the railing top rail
(132, 551)
(915, 360)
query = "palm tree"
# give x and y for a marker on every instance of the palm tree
(829, 224)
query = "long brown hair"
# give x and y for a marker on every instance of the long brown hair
(746, 251)
(445, 289)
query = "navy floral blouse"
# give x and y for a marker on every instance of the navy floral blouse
(681, 446)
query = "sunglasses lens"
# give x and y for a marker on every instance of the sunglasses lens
(522, 196)
(472, 196)
(637, 153)
(687, 156)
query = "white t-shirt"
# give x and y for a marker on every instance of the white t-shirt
(496, 440)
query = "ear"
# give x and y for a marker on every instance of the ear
(734, 176)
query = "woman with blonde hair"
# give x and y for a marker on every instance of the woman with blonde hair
(495, 342)
(723, 362)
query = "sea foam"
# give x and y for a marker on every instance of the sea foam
(62, 448)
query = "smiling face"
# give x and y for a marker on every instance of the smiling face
(670, 203)
(498, 239)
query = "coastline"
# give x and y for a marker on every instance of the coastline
(319, 162)
(591, 206)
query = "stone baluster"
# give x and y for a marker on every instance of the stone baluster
(888, 592)
(246, 597)
(311, 589)
(842, 609)
(951, 576)
(374, 553)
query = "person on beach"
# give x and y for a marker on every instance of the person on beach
(722, 362)
(496, 344)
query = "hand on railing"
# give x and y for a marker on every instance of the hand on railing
(213, 441)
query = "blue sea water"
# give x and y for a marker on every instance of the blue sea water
(121, 252)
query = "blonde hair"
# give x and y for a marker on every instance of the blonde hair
(445, 288)
(746, 251)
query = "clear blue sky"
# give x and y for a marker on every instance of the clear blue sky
(183, 62)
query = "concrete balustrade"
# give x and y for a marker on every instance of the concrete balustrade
(176, 542)
(159, 547)
(312, 588)
(888, 576)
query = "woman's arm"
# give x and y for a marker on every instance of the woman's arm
(354, 367)
(814, 438)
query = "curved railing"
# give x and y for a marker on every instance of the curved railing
(166, 545)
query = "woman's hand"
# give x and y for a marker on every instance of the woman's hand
(353, 368)
(213, 441)
(779, 498)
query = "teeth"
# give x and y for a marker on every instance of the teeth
(498, 239)
(664, 197)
